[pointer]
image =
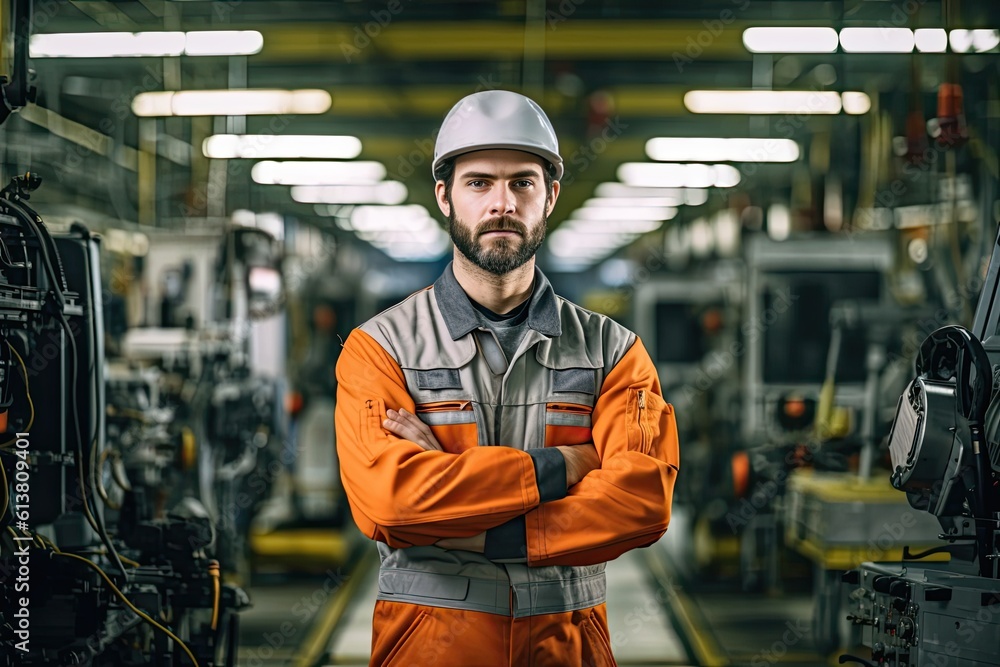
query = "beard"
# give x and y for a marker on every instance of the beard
(504, 254)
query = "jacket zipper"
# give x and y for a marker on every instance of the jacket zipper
(444, 406)
(571, 408)
(642, 418)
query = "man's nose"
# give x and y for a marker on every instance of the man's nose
(503, 201)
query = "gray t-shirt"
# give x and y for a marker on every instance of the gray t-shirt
(509, 327)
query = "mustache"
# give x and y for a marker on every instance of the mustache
(503, 223)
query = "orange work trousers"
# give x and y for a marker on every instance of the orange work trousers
(410, 635)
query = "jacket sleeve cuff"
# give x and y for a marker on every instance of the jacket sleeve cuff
(507, 542)
(550, 473)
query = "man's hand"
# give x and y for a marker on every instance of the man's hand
(476, 543)
(408, 426)
(580, 459)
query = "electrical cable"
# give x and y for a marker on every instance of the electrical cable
(101, 491)
(130, 413)
(45, 239)
(118, 475)
(48, 543)
(27, 392)
(101, 530)
(41, 234)
(129, 561)
(213, 570)
(6, 492)
(136, 610)
(6, 257)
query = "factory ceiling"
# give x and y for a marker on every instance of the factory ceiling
(611, 74)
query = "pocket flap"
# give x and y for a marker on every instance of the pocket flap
(423, 584)
(439, 378)
(579, 380)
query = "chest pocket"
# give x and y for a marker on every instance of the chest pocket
(568, 412)
(452, 420)
(650, 425)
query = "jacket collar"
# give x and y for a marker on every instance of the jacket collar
(460, 316)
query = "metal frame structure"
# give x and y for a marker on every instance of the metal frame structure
(765, 258)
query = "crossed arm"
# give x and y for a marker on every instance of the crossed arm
(580, 460)
(405, 491)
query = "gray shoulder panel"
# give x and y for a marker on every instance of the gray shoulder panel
(415, 334)
(588, 340)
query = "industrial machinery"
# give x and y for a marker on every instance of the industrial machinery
(127, 491)
(80, 582)
(945, 454)
(792, 289)
(232, 413)
(690, 327)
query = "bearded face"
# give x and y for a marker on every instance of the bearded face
(498, 245)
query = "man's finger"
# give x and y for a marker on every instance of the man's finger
(408, 431)
(400, 428)
(416, 421)
(418, 424)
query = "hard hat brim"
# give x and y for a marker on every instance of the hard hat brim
(553, 159)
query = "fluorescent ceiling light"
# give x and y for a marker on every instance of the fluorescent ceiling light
(625, 213)
(389, 238)
(876, 40)
(223, 43)
(231, 102)
(868, 40)
(628, 202)
(856, 103)
(230, 146)
(410, 246)
(107, 45)
(711, 149)
(146, 44)
(978, 41)
(779, 222)
(930, 40)
(412, 218)
(580, 226)
(616, 190)
(790, 40)
(762, 101)
(386, 192)
(565, 243)
(413, 252)
(701, 238)
(726, 176)
(566, 239)
(695, 196)
(406, 252)
(641, 196)
(665, 174)
(317, 173)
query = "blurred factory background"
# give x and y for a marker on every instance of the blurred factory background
(784, 199)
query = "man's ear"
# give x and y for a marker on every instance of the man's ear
(440, 195)
(551, 204)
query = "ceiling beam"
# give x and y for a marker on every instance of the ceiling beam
(486, 40)
(106, 15)
(435, 101)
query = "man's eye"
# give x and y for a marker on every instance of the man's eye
(523, 184)
(477, 184)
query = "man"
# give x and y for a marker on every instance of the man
(499, 442)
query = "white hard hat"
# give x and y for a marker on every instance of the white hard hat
(497, 119)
